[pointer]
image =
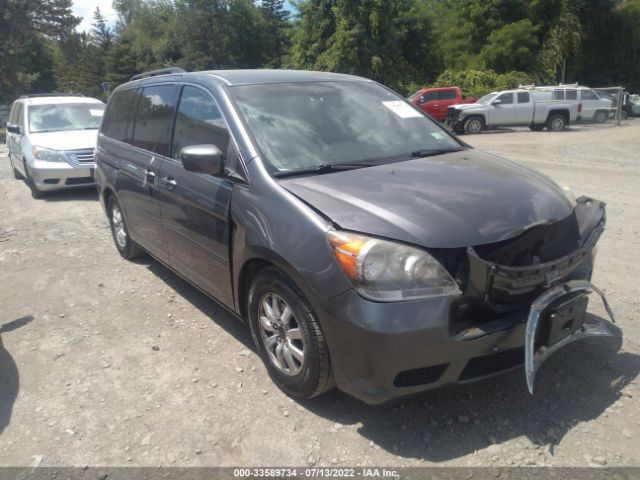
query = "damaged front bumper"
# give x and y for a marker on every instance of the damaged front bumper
(556, 291)
(564, 311)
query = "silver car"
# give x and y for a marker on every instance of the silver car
(51, 140)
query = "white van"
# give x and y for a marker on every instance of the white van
(52, 140)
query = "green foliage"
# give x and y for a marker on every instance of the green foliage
(476, 83)
(479, 45)
(511, 47)
(387, 40)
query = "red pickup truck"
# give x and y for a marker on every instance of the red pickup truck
(435, 101)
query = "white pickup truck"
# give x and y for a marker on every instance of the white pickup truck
(532, 108)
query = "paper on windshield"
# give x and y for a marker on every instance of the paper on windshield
(402, 109)
(96, 113)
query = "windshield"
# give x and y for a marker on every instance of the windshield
(417, 94)
(65, 116)
(487, 98)
(300, 126)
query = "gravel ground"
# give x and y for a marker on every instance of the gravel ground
(105, 362)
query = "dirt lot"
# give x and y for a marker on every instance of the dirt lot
(106, 362)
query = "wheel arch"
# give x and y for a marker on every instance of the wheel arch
(560, 111)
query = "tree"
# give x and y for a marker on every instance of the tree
(101, 33)
(389, 41)
(23, 23)
(511, 47)
(563, 40)
(276, 30)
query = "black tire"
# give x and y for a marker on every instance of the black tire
(536, 127)
(600, 116)
(474, 125)
(16, 174)
(35, 193)
(459, 129)
(314, 376)
(556, 123)
(127, 248)
(624, 115)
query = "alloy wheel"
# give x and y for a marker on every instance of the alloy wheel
(119, 230)
(281, 334)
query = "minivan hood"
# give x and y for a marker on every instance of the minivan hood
(66, 140)
(453, 200)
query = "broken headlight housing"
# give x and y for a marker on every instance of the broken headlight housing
(387, 271)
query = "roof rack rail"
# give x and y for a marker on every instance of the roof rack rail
(51, 94)
(161, 71)
(527, 87)
(568, 84)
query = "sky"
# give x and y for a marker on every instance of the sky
(85, 9)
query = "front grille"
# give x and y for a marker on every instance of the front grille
(452, 113)
(419, 376)
(489, 364)
(83, 156)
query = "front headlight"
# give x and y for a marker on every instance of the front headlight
(47, 154)
(388, 271)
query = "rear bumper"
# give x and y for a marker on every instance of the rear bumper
(49, 176)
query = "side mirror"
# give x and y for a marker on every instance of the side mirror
(202, 159)
(496, 102)
(14, 129)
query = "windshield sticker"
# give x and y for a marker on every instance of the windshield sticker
(402, 109)
(96, 113)
(437, 135)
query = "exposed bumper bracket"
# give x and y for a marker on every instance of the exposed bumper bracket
(592, 327)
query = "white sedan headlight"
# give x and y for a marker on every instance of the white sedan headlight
(48, 155)
(388, 271)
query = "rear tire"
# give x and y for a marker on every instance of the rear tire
(473, 125)
(126, 246)
(288, 336)
(600, 116)
(556, 123)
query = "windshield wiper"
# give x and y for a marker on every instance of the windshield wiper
(430, 152)
(320, 169)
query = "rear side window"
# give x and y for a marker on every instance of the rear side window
(523, 97)
(156, 109)
(572, 94)
(117, 118)
(447, 95)
(199, 122)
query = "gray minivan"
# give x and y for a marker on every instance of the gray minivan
(366, 246)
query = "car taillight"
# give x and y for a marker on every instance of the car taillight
(580, 107)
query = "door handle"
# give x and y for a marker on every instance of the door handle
(168, 182)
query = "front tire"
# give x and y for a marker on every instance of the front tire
(35, 193)
(556, 123)
(16, 174)
(125, 245)
(473, 125)
(288, 336)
